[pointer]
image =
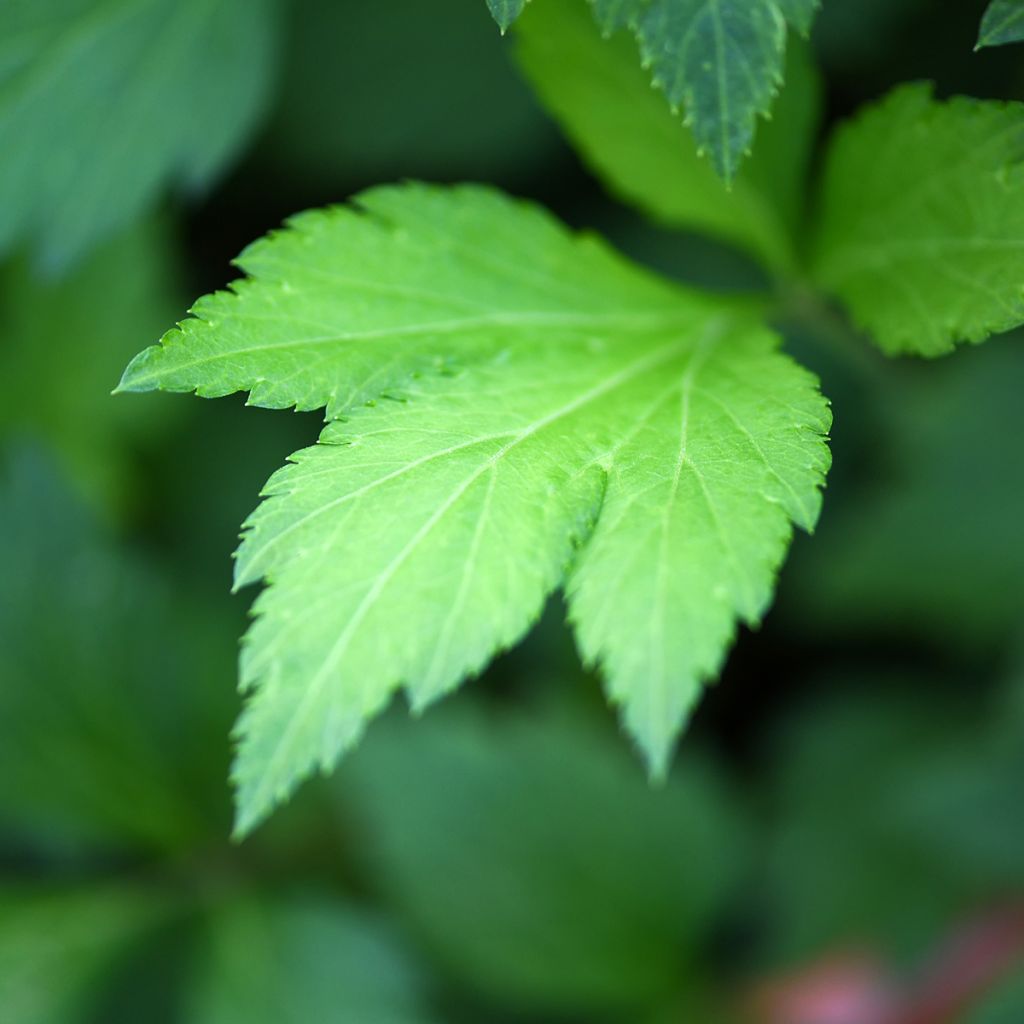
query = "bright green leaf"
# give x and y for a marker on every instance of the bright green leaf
(515, 409)
(111, 102)
(301, 960)
(921, 228)
(604, 100)
(1003, 22)
(465, 812)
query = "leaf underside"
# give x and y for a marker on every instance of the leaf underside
(721, 61)
(512, 409)
(921, 227)
(182, 80)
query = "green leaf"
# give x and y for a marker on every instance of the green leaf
(720, 60)
(1003, 22)
(603, 99)
(58, 946)
(177, 83)
(466, 811)
(925, 437)
(291, 961)
(102, 746)
(921, 221)
(87, 324)
(515, 409)
(505, 11)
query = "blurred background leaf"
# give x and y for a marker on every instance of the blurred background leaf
(535, 862)
(116, 696)
(891, 817)
(854, 782)
(65, 344)
(57, 945)
(298, 959)
(181, 81)
(927, 541)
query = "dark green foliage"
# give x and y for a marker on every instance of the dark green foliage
(848, 794)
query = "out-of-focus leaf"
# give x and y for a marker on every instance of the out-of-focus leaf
(103, 103)
(890, 821)
(604, 100)
(109, 731)
(65, 344)
(1004, 1004)
(536, 863)
(58, 945)
(931, 543)
(296, 961)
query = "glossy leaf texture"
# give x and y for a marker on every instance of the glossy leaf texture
(513, 409)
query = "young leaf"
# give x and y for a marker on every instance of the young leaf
(622, 127)
(921, 226)
(178, 83)
(514, 408)
(1003, 22)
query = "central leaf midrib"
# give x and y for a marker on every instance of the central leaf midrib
(543, 319)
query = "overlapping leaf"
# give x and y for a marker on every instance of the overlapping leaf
(623, 128)
(105, 102)
(514, 409)
(720, 60)
(921, 225)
